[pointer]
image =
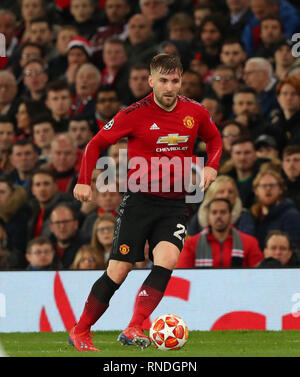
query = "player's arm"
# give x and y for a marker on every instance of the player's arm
(211, 136)
(109, 134)
(82, 191)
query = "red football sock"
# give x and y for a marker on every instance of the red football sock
(150, 294)
(97, 302)
(146, 301)
(92, 311)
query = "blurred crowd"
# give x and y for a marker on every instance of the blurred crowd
(73, 64)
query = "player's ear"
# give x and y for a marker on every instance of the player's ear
(150, 81)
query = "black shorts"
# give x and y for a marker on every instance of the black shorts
(143, 217)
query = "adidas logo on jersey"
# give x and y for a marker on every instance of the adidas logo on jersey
(143, 294)
(154, 127)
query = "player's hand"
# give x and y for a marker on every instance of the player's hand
(210, 175)
(83, 192)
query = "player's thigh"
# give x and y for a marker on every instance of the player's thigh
(168, 237)
(131, 231)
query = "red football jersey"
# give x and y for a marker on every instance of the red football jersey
(156, 136)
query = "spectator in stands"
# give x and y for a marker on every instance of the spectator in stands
(214, 107)
(24, 157)
(35, 79)
(6, 259)
(7, 136)
(41, 33)
(140, 45)
(212, 32)
(14, 215)
(27, 52)
(27, 111)
(224, 84)
(59, 64)
(278, 251)
(271, 31)
(220, 244)
(199, 64)
(40, 255)
(231, 131)
(223, 187)
(246, 108)
(233, 55)
(191, 85)
(87, 258)
(115, 24)
(138, 82)
(263, 8)
(108, 201)
(31, 51)
(80, 130)
(181, 27)
(84, 14)
(108, 104)
(58, 101)
(272, 211)
(291, 173)
(266, 147)
(200, 11)
(258, 74)
(65, 160)
(8, 94)
(102, 236)
(43, 133)
(79, 52)
(87, 82)
(45, 196)
(65, 233)
(8, 25)
(115, 71)
(285, 126)
(157, 12)
(283, 58)
(239, 13)
(244, 167)
(30, 9)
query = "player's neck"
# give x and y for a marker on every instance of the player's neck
(169, 109)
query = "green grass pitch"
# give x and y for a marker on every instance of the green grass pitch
(200, 344)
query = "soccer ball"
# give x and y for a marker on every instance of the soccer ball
(168, 332)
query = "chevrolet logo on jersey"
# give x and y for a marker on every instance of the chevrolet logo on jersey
(172, 139)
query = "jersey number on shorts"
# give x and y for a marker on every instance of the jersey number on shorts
(180, 233)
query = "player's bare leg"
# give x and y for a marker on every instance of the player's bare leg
(165, 256)
(97, 303)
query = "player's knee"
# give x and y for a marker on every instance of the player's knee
(166, 255)
(118, 270)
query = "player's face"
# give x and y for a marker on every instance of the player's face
(165, 88)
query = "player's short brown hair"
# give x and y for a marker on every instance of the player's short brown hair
(165, 64)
